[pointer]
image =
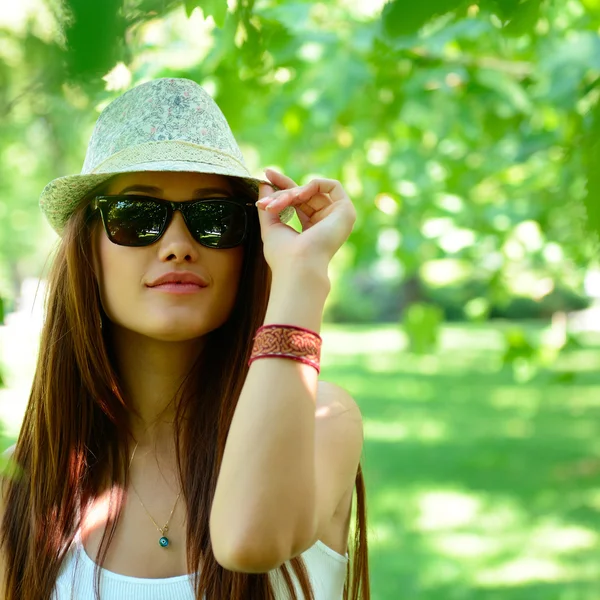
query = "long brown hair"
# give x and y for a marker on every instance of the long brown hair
(74, 440)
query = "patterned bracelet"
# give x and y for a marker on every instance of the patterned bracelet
(287, 341)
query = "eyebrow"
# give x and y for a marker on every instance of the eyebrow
(151, 189)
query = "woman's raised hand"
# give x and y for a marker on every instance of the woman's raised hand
(326, 214)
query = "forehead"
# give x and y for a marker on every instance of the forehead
(177, 183)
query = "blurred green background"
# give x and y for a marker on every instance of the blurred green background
(464, 315)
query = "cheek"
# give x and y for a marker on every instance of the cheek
(226, 272)
(117, 275)
(231, 269)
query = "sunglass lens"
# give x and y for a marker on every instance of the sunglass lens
(217, 224)
(134, 222)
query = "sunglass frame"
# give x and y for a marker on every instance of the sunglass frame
(102, 202)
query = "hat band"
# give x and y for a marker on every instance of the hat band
(175, 150)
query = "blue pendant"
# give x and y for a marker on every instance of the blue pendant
(164, 541)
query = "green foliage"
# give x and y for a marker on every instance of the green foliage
(94, 34)
(518, 17)
(465, 133)
(217, 9)
(592, 165)
(404, 18)
(521, 355)
(517, 346)
(422, 324)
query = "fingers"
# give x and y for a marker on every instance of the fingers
(313, 202)
(266, 218)
(309, 198)
(279, 179)
(264, 190)
(328, 186)
(335, 191)
(299, 197)
(265, 195)
(316, 186)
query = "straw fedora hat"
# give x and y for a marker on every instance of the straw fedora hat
(167, 124)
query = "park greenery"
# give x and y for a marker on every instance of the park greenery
(463, 131)
(480, 487)
(466, 133)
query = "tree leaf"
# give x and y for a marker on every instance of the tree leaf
(404, 18)
(217, 9)
(94, 36)
(524, 18)
(190, 5)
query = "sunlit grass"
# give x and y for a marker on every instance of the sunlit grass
(478, 486)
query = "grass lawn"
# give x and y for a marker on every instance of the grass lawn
(478, 487)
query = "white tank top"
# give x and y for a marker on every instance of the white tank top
(326, 569)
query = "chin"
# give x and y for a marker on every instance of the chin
(175, 333)
(164, 329)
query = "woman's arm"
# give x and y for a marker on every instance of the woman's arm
(265, 501)
(269, 502)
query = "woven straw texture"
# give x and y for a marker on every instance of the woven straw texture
(167, 124)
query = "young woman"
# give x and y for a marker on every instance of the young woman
(177, 443)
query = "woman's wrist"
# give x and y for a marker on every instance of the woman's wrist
(308, 273)
(298, 297)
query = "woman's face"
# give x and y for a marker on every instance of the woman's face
(124, 272)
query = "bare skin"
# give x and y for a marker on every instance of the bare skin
(134, 551)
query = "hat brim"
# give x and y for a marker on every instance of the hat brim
(60, 197)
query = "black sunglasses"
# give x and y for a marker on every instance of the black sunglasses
(141, 220)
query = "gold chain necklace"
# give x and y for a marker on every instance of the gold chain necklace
(163, 542)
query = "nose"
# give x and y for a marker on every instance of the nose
(177, 242)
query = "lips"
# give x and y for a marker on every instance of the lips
(182, 277)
